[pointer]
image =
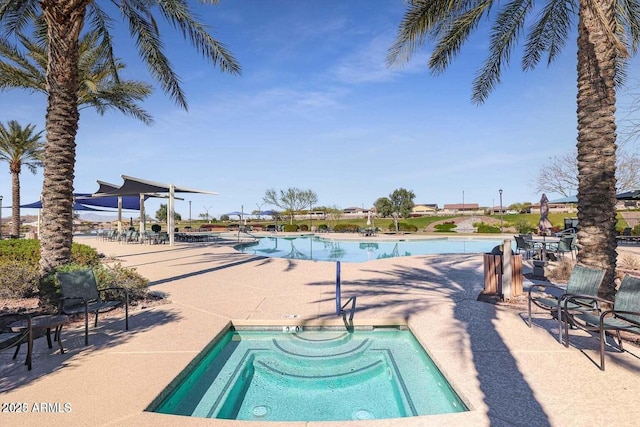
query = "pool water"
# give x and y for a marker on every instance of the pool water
(329, 375)
(320, 249)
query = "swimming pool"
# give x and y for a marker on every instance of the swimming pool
(321, 249)
(318, 375)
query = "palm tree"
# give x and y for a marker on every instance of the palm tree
(100, 87)
(608, 33)
(19, 147)
(64, 21)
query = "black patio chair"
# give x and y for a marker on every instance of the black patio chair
(15, 339)
(80, 294)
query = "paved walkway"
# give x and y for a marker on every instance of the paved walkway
(507, 373)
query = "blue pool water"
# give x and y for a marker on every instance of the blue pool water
(329, 375)
(320, 249)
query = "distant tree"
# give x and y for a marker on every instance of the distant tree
(162, 215)
(519, 207)
(332, 213)
(224, 218)
(398, 205)
(19, 147)
(560, 175)
(292, 200)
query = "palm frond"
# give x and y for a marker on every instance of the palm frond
(16, 14)
(177, 12)
(549, 33)
(17, 71)
(102, 24)
(450, 43)
(414, 28)
(628, 13)
(150, 47)
(508, 26)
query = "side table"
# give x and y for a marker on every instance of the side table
(45, 322)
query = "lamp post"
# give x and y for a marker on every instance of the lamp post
(501, 223)
(189, 213)
(0, 217)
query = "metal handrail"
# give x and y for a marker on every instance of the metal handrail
(352, 310)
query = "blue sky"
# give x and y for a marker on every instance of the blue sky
(317, 108)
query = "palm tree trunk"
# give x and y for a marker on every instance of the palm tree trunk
(64, 21)
(597, 145)
(15, 203)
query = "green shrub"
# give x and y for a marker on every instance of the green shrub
(323, 227)
(304, 227)
(446, 227)
(346, 228)
(18, 279)
(636, 230)
(291, 227)
(523, 226)
(403, 226)
(84, 255)
(486, 228)
(25, 250)
(28, 251)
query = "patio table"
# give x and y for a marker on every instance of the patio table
(45, 322)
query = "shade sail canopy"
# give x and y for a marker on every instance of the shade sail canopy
(629, 195)
(136, 186)
(128, 202)
(76, 207)
(238, 213)
(142, 187)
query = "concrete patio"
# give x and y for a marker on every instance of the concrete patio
(507, 373)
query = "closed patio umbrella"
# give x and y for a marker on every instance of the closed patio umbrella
(544, 224)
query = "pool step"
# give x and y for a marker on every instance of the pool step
(341, 351)
(299, 373)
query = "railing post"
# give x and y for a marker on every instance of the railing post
(338, 304)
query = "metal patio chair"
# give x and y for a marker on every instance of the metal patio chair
(624, 316)
(80, 294)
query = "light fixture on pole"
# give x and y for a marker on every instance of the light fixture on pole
(501, 223)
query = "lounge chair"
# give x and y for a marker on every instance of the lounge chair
(550, 297)
(15, 339)
(80, 294)
(625, 315)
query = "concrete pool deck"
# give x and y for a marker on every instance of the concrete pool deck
(506, 372)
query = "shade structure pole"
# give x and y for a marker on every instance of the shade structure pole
(143, 225)
(171, 213)
(119, 214)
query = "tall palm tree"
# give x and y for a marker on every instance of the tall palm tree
(608, 33)
(64, 21)
(19, 147)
